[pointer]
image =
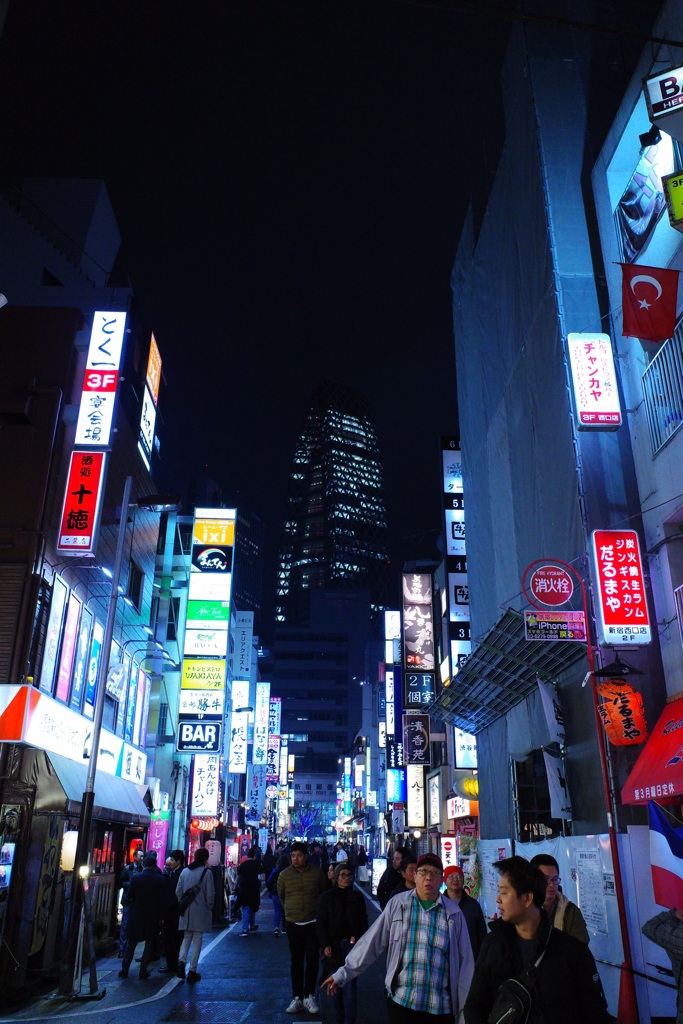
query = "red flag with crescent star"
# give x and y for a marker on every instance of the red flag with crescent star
(648, 299)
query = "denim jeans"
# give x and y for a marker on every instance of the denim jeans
(278, 913)
(248, 918)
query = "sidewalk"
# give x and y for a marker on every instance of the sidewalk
(242, 979)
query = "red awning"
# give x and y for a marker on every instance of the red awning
(658, 772)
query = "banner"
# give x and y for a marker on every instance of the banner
(553, 712)
(560, 804)
(648, 298)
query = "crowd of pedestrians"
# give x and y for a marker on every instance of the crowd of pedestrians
(443, 966)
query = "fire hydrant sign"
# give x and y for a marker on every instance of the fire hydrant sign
(623, 617)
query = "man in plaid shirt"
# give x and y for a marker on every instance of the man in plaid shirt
(429, 956)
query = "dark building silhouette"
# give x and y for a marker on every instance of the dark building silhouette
(335, 530)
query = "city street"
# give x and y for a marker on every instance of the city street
(242, 980)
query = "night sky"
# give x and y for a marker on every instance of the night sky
(289, 179)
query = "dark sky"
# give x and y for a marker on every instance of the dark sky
(289, 178)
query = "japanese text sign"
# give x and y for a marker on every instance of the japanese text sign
(594, 380)
(621, 602)
(96, 410)
(81, 509)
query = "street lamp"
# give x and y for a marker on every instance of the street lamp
(152, 503)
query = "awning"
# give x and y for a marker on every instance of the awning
(500, 672)
(658, 772)
(61, 784)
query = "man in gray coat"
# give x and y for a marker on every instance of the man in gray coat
(429, 956)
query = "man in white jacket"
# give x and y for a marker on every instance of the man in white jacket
(429, 956)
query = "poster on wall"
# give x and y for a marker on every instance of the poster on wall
(53, 634)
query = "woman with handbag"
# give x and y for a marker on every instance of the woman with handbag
(342, 919)
(528, 972)
(195, 883)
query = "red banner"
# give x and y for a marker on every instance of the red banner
(648, 298)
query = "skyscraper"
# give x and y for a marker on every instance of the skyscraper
(335, 529)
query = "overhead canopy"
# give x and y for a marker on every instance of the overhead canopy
(500, 672)
(658, 772)
(61, 784)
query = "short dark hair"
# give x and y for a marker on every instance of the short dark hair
(544, 860)
(252, 852)
(409, 858)
(524, 877)
(178, 855)
(201, 857)
(299, 847)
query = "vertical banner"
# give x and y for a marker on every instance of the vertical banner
(418, 622)
(415, 779)
(623, 616)
(456, 556)
(239, 719)
(560, 802)
(261, 713)
(243, 629)
(204, 798)
(416, 735)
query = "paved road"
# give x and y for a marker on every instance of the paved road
(243, 980)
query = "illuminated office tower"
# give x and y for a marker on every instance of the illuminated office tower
(335, 529)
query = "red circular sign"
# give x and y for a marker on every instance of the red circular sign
(551, 585)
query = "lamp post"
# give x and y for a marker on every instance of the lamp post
(152, 503)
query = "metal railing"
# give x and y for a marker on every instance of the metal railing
(663, 391)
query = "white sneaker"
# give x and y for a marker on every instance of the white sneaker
(295, 1006)
(311, 1005)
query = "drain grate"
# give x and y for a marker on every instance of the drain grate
(222, 1011)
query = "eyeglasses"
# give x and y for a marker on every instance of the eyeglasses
(425, 873)
(555, 880)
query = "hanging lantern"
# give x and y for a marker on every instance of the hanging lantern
(622, 713)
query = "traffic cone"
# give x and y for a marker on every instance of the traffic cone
(627, 1011)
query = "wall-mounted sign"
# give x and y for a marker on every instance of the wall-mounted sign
(416, 739)
(81, 507)
(672, 185)
(418, 622)
(201, 703)
(551, 585)
(153, 375)
(623, 616)
(664, 98)
(419, 689)
(261, 708)
(199, 735)
(415, 780)
(555, 626)
(204, 798)
(96, 410)
(434, 799)
(465, 749)
(199, 674)
(594, 380)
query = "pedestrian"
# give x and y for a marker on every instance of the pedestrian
(666, 929)
(407, 872)
(249, 891)
(329, 878)
(198, 917)
(454, 877)
(127, 873)
(299, 888)
(271, 885)
(362, 867)
(340, 854)
(556, 969)
(391, 877)
(146, 897)
(429, 958)
(342, 919)
(563, 914)
(268, 861)
(175, 863)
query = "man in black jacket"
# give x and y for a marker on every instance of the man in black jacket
(175, 862)
(146, 896)
(391, 877)
(454, 877)
(342, 919)
(567, 988)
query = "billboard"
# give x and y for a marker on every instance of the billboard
(418, 622)
(621, 603)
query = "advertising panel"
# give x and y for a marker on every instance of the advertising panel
(397, 789)
(243, 628)
(53, 634)
(621, 603)
(594, 382)
(202, 703)
(93, 669)
(148, 418)
(274, 716)
(96, 410)
(459, 636)
(418, 622)
(73, 614)
(465, 749)
(207, 642)
(415, 778)
(80, 672)
(420, 689)
(416, 739)
(206, 614)
(80, 517)
(550, 626)
(153, 375)
(664, 97)
(198, 674)
(204, 799)
(261, 709)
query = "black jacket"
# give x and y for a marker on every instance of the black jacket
(568, 989)
(476, 923)
(249, 884)
(341, 914)
(387, 884)
(148, 899)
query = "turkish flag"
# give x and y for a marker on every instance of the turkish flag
(648, 299)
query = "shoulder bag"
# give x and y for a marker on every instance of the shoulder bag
(514, 997)
(190, 895)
